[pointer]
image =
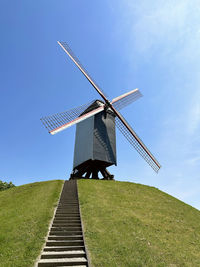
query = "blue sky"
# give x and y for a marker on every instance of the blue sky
(150, 45)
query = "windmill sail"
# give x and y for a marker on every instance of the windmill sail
(138, 145)
(70, 53)
(126, 99)
(60, 121)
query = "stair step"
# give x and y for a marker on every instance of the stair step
(65, 224)
(70, 237)
(64, 243)
(65, 233)
(67, 217)
(64, 211)
(63, 248)
(63, 254)
(64, 215)
(68, 206)
(75, 208)
(66, 221)
(68, 203)
(61, 222)
(68, 210)
(61, 262)
(66, 228)
(61, 225)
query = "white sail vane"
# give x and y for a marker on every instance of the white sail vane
(126, 99)
(59, 119)
(77, 120)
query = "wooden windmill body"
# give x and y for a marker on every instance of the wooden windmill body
(95, 145)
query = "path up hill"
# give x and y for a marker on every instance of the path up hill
(129, 224)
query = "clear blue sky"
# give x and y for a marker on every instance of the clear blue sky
(152, 45)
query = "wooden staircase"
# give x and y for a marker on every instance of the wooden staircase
(65, 242)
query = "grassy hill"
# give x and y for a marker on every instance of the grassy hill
(125, 224)
(129, 224)
(25, 212)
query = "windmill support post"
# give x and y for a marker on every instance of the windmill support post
(90, 170)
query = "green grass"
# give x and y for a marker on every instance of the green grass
(25, 212)
(129, 224)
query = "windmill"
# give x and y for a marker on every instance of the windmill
(95, 144)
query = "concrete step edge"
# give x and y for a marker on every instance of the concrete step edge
(67, 248)
(81, 259)
(63, 252)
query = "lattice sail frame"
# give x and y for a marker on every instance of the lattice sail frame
(126, 99)
(59, 119)
(75, 59)
(131, 139)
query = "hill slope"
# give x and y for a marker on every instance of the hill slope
(25, 212)
(129, 224)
